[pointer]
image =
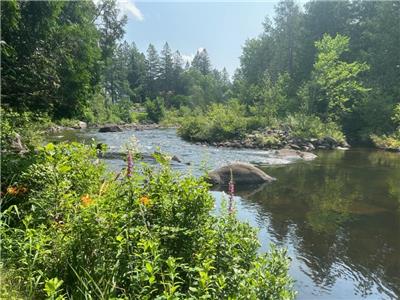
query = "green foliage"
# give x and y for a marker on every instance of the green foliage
(27, 125)
(220, 122)
(79, 233)
(336, 84)
(388, 142)
(309, 126)
(155, 109)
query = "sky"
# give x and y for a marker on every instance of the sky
(220, 27)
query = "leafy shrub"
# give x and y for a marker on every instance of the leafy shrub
(27, 125)
(155, 109)
(309, 126)
(80, 233)
(389, 142)
(220, 122)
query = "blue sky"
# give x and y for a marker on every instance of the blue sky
(220, 27)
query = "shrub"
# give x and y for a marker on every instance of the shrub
(220, 122)
(80, 233)
(27, 125)
(310, 126)
(155, 109)
(388, 142)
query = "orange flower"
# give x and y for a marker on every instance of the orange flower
(86, 200)
(144, 200)
(12, 190)
(16, 191)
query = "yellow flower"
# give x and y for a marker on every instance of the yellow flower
(86, 200)
(144, 200)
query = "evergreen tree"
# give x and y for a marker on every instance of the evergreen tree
(137, 74)
(166, 69)
(152, 71)
(201, 62)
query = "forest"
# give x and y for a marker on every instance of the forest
(331, 65)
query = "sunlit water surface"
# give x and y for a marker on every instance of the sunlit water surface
(338, 216)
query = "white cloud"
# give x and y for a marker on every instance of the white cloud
(129, 7)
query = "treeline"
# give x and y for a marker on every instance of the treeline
(335, 63)
(339, 60)
(68, 59)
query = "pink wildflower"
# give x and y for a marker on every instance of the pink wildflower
(231, 190)
(130, 164)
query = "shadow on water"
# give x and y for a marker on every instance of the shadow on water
(338, 216)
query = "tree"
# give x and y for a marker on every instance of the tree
(336, 83)
(137, 74)
(116, 75)
(152, 71)
(166, 69)
(201, 62)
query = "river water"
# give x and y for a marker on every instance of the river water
(338, 216)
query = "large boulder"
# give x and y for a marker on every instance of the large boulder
(242, 173)
(111, 128)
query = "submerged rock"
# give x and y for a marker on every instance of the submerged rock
(112, 128)
(290, 153)
(242, 173)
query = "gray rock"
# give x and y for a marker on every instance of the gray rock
(80, 125)
(242, 173)
(176, 158)
(330, 140)
(17, 145)
(112, 128)
(290, 153)
(310, 146)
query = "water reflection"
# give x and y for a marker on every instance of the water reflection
(340, 214)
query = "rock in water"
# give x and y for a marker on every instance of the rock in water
(112, 128)
(80, 125)
(295, 154)
(243, 173)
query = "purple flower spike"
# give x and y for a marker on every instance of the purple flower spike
(231, 189)
(130, 165)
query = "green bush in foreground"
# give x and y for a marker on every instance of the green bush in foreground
(77, 232)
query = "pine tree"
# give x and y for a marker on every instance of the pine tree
(166, 69)
(201, 62)
(152, 71)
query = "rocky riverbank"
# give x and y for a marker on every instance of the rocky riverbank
(282, 139)
(103, 127)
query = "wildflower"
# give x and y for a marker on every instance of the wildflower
(12, 190)
(86, 200)
(16, 190)
(130, 164)
(145, 200)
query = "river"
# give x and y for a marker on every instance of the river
(338, 216)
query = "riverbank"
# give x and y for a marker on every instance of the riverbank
(274, 139)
